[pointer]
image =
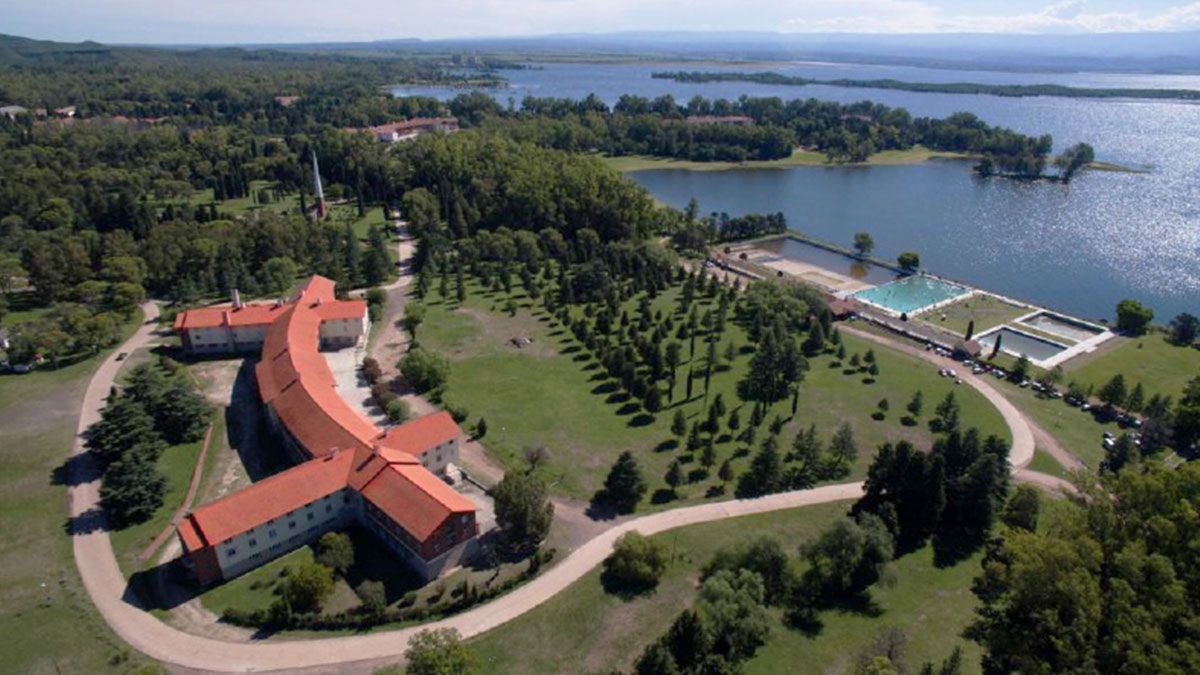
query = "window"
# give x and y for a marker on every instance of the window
(328, 508)
(253, 543)
(230, 552)
(291, 524)
(310, 516)
(271, 533)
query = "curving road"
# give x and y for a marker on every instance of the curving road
(108, 587)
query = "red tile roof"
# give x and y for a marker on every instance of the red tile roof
(226, 315)
(412, 496)
(295, 380)
(341, 309)
(269, 498)
(421, 434)
(316, 289)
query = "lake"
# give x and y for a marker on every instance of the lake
(1078, 248)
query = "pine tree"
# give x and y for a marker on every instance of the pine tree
(674, 475)
(709, 456)
(624, 487)
(765, 475)
(679, 424)
(352, 258)
(133, 488)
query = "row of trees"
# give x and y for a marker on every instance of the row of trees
(158, 407)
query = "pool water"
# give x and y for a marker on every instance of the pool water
(1062, 326)
(1016, 342)
(912, 293)
(804, 252)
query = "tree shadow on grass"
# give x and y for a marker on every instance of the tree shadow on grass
(605, 387)
(641, 420)
(623, 589)
(629, 408)
(570, 349)
(667, 445)
(617, 397)
(663, 496)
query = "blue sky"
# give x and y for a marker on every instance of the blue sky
(224, 21)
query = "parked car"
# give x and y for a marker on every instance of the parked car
(1085, 407)
(122, 355)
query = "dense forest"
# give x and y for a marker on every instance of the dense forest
(843, 132)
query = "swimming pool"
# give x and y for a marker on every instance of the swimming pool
(912, 293)
(1062, 326)
(794, 249)
(1016, 342)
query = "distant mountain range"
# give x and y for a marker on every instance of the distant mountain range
(1114, 52)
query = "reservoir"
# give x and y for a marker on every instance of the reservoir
(1079, 248)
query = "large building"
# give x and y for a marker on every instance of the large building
(349, 471)
(405, 130)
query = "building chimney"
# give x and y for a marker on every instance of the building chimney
(236, 297)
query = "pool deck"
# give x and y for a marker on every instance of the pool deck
(813, 274)
(1069, 351)
(843, 286)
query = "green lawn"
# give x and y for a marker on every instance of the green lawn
(1160, 366)
(49, 623)
(1044, 462)
(1078, 431)
(914, 155)
(176, 463)
(607, 632)
(550, 393)
(241, 205)
(373, 562)
(985, 310)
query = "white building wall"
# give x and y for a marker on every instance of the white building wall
(436, 458)
(272, 539)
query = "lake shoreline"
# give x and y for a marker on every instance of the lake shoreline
(811, 159)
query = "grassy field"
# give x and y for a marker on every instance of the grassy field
(49, 623)
(1043, 462)
(373, 562)
(176, 463)
(1160, 366)
(914, 155)
(930, 605)
(984, 309)
(551, 393)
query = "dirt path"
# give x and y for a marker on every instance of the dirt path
(193, 487)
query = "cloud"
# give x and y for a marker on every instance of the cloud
(916, 16)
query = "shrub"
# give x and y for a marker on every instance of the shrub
(335, 551)
(371, 370)
(458, 412)
(636, 563)
(425, 370)
(440, 652)
(397, 410)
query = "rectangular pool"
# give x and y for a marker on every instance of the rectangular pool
(1016, 342)
(913, 293)
(1062, 326)
(817, 256)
